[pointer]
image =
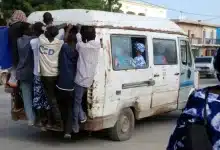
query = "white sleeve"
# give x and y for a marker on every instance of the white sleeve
(79, 41)
(61, 34)
(78, 37)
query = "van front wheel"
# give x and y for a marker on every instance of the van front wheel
(124, 127)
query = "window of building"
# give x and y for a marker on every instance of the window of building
(186, 56)
(129, 52)
(165, 52)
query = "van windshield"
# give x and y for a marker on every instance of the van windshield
(203, 60)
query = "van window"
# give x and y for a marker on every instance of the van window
(165, 52)
(189, 55)
(126, 52)
(186, 56)
(203, 60)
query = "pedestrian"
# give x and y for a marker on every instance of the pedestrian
(40, 102)
(48, 21)
(49, 52)
(202, 109)
(65, 84)
(86, 68)
(14, 32)
(24, 70)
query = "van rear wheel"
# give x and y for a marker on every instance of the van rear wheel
(124, 126)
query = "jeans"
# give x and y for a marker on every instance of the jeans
(65, 101)
(78, 113)
(49, 84)
(26, 89)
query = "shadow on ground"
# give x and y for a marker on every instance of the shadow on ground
(17, 131)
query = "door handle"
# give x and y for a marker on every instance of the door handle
(176, 74)
(182, 73)
(151, 82)
(156, 75)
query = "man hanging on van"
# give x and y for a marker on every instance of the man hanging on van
(48, 20)
(49, 51)
(65, 84)
(24, 70)
(86, 67)
(40, 102)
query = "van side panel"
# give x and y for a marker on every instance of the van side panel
(96, 94)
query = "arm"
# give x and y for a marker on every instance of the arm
(61, 34)
(79, 41)
(67, 32)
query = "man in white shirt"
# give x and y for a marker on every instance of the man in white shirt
(86, 67)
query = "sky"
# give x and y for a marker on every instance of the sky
(207, 7)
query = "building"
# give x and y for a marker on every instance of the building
(142, 9)
(203, 36)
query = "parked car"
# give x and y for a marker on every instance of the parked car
(205, 66)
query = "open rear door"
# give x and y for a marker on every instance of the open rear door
(187, 72)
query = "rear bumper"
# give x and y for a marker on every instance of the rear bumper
(100, 123)
(206, 72)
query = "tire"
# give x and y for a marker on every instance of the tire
(124, 127)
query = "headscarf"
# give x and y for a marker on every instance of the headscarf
(18, 16)
(139, 47)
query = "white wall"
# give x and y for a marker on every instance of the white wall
(209, 31)
(139, 7)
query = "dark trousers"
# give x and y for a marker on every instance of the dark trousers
(65, 101)
(49, 84)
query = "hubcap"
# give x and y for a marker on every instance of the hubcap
(125, 125)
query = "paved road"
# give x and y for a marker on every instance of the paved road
(150, 134)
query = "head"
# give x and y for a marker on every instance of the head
(37, 28)
(47, 18)
(26, 28)
(71, 40)
(140, 48)
(51, 32)
(18, 16)
(90, 34)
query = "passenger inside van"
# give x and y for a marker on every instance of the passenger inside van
(129, 53)
(139, 59)
(159, 55)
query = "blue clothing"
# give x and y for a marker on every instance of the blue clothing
(124, 63)
(5, 51)
(193, 113)
(67, 68)
(40, 101)
(26, 90)
(139, 62)
(78, 113)
(24, 70)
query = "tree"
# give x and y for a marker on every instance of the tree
(112, 5)
(29, 6)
